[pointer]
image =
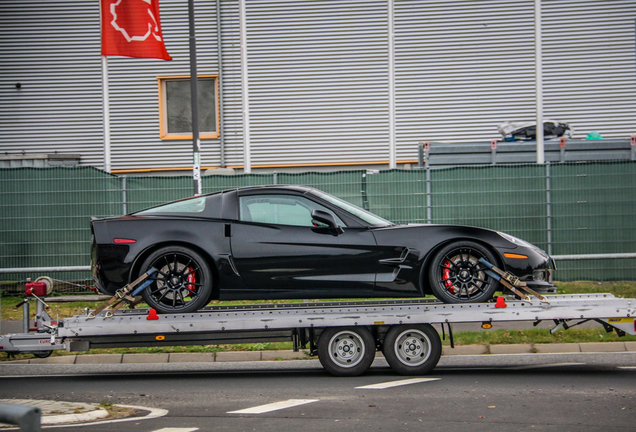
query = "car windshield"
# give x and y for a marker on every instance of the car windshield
(368, 217)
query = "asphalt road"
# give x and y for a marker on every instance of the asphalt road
(563, 392)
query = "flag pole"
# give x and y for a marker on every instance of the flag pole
(194, 94)
(106, 113)
(105, 103)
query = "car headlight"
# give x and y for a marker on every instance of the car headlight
(515, 240)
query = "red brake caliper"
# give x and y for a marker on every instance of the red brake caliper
(446, 277)
(191, 279)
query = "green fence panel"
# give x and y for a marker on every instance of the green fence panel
(509, 198)
(594, 212)
(216, 183)
(343, 184)
(583, 208)
(143, 192)
(45, 214)
(398, 195)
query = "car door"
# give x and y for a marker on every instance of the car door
(281, 252)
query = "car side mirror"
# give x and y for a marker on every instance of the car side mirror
(328, 219)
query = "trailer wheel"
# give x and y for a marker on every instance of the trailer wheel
(412, 349)
(182, 284)
(346, 351)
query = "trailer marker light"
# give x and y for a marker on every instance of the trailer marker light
(124, 241)
(486, 325)
(160, 338)
(515, 256)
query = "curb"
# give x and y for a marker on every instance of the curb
(77, 412)
(279, 355)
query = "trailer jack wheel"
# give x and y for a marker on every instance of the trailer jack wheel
(42, 354)
(346, 351)
(412, 349)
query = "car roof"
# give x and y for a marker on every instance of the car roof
(292, 188)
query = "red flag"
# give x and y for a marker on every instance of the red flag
(132, 28)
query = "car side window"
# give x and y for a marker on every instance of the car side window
(279, 209)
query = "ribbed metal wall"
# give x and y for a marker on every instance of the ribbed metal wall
(318, 73)
(134, 95)
(318, 86)
(589, 57)
(231, 82)
(49, 47)
(462, 68)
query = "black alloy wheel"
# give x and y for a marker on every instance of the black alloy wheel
(182, 283)
(457, 276)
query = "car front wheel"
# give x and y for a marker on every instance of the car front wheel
(456, 275)
(182, 283)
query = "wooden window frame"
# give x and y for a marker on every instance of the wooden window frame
(163, 115)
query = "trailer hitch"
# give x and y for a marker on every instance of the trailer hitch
(512, 282)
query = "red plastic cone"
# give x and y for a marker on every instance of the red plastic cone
(152, 315)
(501, 303)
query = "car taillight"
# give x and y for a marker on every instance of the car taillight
(124, 241)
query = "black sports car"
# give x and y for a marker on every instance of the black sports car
(294, 242)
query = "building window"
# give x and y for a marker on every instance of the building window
(175, 108)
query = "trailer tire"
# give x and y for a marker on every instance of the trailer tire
(346, 351)
(183, 282)
(412, 349)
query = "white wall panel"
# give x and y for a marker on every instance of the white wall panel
(462, 68)
(589, 55)
(58, 107)
(134, 96)
(318, 75)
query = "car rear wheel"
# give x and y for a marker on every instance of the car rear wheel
(346, 351)
(182, 283)
(456, 275)
(412, 349)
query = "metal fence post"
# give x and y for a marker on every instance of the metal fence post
(26, 324)
(548, 195)
(124, 196)
(429, 198)
(28, 418)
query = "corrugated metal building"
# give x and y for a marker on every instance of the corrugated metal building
(331, 83)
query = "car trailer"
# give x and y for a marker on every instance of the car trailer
(344, 335)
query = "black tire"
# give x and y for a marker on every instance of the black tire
(456, 276)
(42, 354)
(346, 351)
(182, 284)
(412, 349)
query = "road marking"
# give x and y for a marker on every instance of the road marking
(544, 366)
(627, 367)
(274, 406)
(169, 429)
(390, 384)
